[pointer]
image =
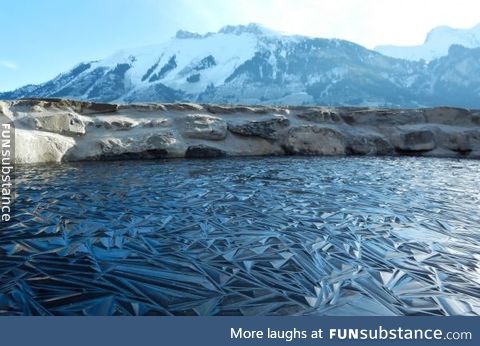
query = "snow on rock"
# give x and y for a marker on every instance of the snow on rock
(33, 146)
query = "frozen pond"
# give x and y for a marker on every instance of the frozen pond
(256, 236)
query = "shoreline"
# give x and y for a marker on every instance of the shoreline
(56, 130)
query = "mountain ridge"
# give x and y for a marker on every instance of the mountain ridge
(250, 64)
(436, 44)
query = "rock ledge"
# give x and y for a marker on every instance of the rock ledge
(54, 130)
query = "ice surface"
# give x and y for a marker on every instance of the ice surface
(267, 236)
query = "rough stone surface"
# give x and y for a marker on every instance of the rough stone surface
(156, 123)
(459, 142)
(382, 117)
(63, 130)
(63, 123)
(415, 141)
(116, 149)
(218, 109)
(96, 108)
(119, 123)
(314, 140)
(203, 151)
(369, 145)
(153, 146)
(161, 139)
(476, 118)
(267, 128)
(204, 127)
(448, 116)
(321, 116)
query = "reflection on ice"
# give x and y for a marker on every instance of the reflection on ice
(277, 236)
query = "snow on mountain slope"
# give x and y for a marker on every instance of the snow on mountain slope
(179, 60)
(189, 63)
(436, 45)
(249, 64)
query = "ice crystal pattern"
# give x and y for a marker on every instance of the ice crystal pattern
(278, 236)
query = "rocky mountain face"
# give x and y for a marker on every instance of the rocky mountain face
(54, 130)
(252, 65)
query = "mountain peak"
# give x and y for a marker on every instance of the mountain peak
(436, 45)
(250, 64)
(446, 32)
(187, 34)
(438, 32)
(251, 28)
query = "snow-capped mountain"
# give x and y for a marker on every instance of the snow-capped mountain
(253, 65)
(436, 45)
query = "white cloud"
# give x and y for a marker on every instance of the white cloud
(8, 64)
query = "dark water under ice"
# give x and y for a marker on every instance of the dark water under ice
(277, 236)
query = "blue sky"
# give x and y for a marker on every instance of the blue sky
(43, 38)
